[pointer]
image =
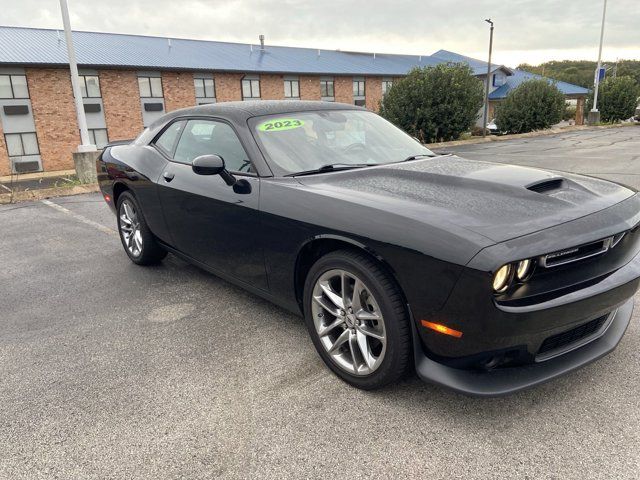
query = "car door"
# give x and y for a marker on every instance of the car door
(207, 219)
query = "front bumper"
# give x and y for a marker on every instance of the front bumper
(514, 329)
(502, 381)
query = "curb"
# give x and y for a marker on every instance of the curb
(36, 176)
(537, 133)
(30, 195)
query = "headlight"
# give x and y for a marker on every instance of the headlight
(524, 269)
(501, 278)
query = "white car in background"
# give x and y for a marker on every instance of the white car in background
(492, 127)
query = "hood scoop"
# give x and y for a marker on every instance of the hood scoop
(548, 186)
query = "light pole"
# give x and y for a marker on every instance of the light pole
(594, 114)
(486, 90)
(86, 145)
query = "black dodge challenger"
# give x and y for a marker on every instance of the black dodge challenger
(486, 278)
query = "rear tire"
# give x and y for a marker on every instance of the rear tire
(139, 243)
(357, 319)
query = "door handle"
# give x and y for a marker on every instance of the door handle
(168, 176)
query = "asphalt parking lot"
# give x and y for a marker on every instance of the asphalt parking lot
(109, 370)
(612, 153)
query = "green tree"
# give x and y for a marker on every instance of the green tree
(581, 72)
(434, 103)
(617, 99)
(534, 105)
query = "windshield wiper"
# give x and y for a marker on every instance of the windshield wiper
(416, 157)
(331, 167)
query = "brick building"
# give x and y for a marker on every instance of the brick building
(128, 81)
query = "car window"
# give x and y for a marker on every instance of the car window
(304, 141)
(167, 140)
(206, 137)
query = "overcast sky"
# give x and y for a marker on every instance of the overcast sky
(529, 31)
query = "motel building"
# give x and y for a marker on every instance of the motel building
(128, 81)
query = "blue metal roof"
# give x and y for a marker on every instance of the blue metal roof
(38, 46)
(520, 76)
(479, 67)
(24, 46)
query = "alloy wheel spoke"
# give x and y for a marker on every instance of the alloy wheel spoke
(356, 353)
(327, 305)
(356, 300)
(329, 328)
(344, 336)
(125, 219)
(363, 345)
(344, 284)
(138, 239)
(365, 315)
(127, 211)
(331, 295)
(369, 332)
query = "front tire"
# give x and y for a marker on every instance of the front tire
(139, 243)
(357, 319)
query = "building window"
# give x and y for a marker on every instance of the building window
(387, 83)
(205, 88)
(150, 87)
(499, 79)
(98, 137)
(13, 86)
(327, 91)
(358, 87)
(358, 91)
(90, 86)
(250, 87)
(291, 88)
(22, 144)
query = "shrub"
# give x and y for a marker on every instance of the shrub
(478, 131)
(434, 103)
(617, 99)
(569, 112)
(533, 105)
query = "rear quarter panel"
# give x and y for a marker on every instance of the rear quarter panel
(138, 168)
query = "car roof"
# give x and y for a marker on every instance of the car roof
(239, 111)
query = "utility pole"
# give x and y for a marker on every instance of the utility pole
(86, 145)
(594, 114)
(486, 90)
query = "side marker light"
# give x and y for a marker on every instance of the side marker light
(441, 329)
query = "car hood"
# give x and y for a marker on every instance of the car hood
(497, 201)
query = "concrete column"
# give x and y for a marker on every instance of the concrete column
(85, 163)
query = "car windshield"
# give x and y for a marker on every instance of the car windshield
(307, 141)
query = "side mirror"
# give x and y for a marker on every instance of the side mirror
(213, 165)
(208, 165)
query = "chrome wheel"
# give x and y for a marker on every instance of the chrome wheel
(348, 322)
(130, 228)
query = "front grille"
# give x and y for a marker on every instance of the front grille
(577, 253)
(574, 335)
